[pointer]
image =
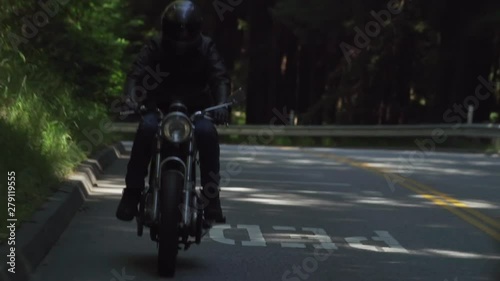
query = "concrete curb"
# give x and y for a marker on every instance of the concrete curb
(34, 239)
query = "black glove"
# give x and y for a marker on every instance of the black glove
(131, 104)
(138, 108)
(221, 116)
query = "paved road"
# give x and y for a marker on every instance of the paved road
(310, 214)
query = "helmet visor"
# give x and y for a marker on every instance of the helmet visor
(181, 32)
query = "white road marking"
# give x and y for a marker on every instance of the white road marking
(383, 236)
(355, 242)
(321, 235)
(254, 233)
(291, 235)
(217, 234)
(394, 246)
(256, 237)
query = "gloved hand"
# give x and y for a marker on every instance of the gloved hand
(221, 116)
(132, 104)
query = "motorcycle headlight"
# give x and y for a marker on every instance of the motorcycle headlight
(176, 127)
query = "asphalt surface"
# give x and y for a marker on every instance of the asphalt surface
(310, 214)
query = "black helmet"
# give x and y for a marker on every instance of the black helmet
(181, 26)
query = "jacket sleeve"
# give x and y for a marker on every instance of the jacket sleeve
(133, 88)
(219, 79)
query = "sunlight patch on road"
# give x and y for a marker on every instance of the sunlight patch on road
(315, 192)
(268, 201)
(240, 189)
(109, 185)
(309, 183)
(467, 203)
(480, 204)
(385, 202)
(458, 254)
(405, 168)
(260, 172)
(245, 159)
(302, 161)
(297, 202)
(311, 162)
(107, 191)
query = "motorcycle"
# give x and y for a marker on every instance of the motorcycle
(171, 206)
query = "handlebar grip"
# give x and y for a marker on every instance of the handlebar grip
(128, 112)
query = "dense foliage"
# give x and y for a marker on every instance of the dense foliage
(367, 62)
(60, 62)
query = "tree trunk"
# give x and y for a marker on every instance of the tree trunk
(404, 72)
(228, 38)
(289, 85)
(318, 82)
(477, 65)
(305, 77)
(282, 58)
(451, 29)
(260, 73)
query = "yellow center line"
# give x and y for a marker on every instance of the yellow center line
(443, 200)
(459, 204)
(492, 232)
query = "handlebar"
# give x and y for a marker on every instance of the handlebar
(127, 112)
(203, 113)
(142, 109)
(236, 98)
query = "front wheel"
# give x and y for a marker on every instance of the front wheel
(172, 183)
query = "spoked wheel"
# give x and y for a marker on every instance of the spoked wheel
(170, 216)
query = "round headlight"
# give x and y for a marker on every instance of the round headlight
(176, 127)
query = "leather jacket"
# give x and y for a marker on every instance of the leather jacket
(198, 78)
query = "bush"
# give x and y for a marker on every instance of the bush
(494, 117)
(53, 88)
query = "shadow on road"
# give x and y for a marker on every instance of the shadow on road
(145, 265)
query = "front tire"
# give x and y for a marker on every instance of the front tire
(172, 183)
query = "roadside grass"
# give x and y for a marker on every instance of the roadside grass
(41, 143)
(52, 93)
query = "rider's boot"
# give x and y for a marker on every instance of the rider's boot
(127, 209)
(213, 211)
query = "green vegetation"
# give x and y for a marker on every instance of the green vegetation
(494, 118)
(55, 79)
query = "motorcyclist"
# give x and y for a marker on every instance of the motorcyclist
(179, 64)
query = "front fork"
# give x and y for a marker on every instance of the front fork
(189, 183)
(156, 181)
